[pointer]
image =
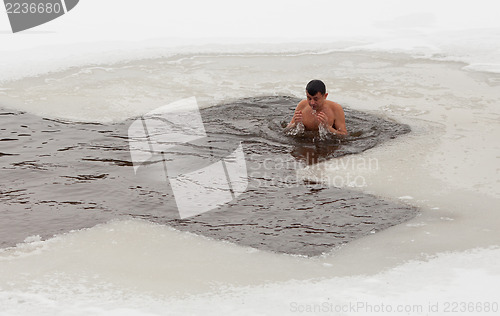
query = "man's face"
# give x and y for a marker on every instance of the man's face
(316, 101)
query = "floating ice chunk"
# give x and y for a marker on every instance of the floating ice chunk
(415, 224)
(34, 238)
(406, 197)
(446, 219)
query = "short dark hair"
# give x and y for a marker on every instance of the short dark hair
(315, 86)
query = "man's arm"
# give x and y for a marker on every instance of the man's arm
(339, 121)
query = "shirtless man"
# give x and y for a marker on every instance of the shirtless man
(317, 110)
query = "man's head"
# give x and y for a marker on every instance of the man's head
(316, 94)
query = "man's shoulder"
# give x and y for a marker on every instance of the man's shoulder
(334, 105)
(302, 104)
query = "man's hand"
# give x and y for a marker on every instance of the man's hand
(322, 118)
(297, 116)
(296, 119)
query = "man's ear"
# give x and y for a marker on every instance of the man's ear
(326, 94)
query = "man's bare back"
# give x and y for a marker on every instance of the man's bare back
(317, 111)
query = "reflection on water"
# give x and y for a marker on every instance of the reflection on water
(315, 153)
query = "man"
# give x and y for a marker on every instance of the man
(317, 111)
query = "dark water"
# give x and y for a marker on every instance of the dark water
(59, 176)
